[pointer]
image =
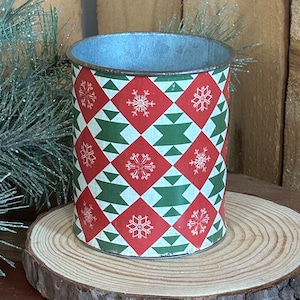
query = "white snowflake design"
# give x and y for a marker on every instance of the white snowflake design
(87, 96)
(202, 98)
(87, 213)
(140, 103)
(200, 160)
(140, 165)
(197, 221)
(139, 226)
(87, 154)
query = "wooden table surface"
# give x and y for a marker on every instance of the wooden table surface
(15, 286)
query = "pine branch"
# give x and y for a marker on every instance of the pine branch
(9, 200)
(35, 112)
(35, 104)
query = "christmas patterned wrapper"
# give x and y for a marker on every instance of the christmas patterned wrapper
(150, 158)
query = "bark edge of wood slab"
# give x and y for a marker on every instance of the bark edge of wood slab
(259, 254)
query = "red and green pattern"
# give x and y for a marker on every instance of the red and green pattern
(150, 161)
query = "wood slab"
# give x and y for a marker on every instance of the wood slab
(259, 254)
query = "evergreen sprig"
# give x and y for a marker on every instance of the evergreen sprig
(35, 112)
(35, 104)
(9, 200)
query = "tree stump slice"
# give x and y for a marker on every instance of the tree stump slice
(259, 258)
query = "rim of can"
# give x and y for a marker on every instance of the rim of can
(136, 72)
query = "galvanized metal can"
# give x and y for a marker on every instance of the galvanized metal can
(150, 141)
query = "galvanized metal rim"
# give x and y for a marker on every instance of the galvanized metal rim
(131, 72)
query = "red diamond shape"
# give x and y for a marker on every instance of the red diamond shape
(198, 161)
(91, 217)
(91, 158)
(140, 226)
(196, 221)
(141, 165)
(141, 102)
(200, 98)
(90, 96)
